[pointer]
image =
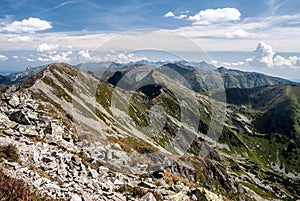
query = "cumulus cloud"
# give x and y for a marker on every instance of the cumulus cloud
(216, 16)
(54, 53)
(123, 58)
(55, 56)
(266, 57)
(46, 47)
(3, 57)
(182, 16)
(113, 56)
(263, 56)
(240, 33)
(18, 39)
(169, 14)
(84, 55)
(29, 25)
(286, 62)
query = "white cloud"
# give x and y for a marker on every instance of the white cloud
(55, 56)
(84, 55)
(46, 47)
(15, 57)
(3, 57)
(264, 56)
(240, 33)
(30, 59)
(54, 53)
(18, 39)
(182, 16)
(216, 16)
(113, 56)
(169, 14)
(61, 57)
(280, 61)
(29, 25)
(123, 57)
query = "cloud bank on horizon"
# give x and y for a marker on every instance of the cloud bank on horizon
(56, 32)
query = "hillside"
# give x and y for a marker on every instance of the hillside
(240, 79)
(141, 134)
(278, 107)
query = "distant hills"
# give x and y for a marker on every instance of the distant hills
(201, 76)
(240, 79)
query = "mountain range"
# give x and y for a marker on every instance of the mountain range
(168, 130)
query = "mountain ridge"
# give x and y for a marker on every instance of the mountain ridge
(118, 125)
(231, 78)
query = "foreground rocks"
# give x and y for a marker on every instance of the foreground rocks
(53, 162)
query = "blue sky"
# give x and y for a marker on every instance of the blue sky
(260, 36)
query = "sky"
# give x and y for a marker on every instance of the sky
(262, 36)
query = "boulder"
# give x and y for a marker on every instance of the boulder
(67, 135)
(52, 165)
(180, 197)
(148, 197)
(19, 117)
(14, 100)
(117, 182)
(28, 130)
(31, 115)
(55, 130)
(10, 132)
(93, 173)
(76, 160)
(6, 123)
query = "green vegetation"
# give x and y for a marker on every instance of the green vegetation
(264, 193)
(169, 102)
(57, 90)
(138, 109)
(130, 145)
(104, 95)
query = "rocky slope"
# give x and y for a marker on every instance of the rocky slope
(81, 138)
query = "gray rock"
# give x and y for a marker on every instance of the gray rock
(31, 115)
(117, 182)
(62, 171)
(55, 130)
(19, 117)
(67, 135)
(148, 197)
(52, 165)
(6, 123)
(10, 132)
(47, 159)
(75, 197)
(39, 182)
(147, 185)
(14, 100)
(76, 160)
(93, 173)
(28, 130)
